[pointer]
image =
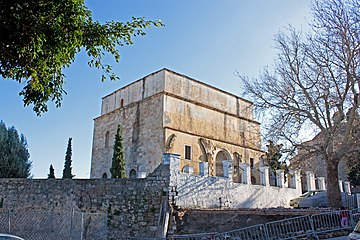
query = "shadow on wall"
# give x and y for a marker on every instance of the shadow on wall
(196, 191)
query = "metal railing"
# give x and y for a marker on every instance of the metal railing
(309, 226)
(300, 227)
(202, 236)
(289, 228)
(256, 232)
(56, 225)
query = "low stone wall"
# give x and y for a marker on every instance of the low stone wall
(133, 206)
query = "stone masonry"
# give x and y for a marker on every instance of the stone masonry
(132, 206)
(169, 112)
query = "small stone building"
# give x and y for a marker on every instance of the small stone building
(166, 112)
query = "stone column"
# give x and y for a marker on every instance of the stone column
(297, 180)
(347, 187)
(227, 167)
(310, 181)
(141, 171)
(204, 169)
(264, 176)
(292, 183)
(173, 161)
(321, 181)
(280, 180)
(286, 180)
(358, 200)
(246, 173)
(141, 175)
(341, 186)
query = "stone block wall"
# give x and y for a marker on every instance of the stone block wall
(189, 117)
(165, 103)
(148, 86)
(195, 91)
(132, 205)
(142, 133)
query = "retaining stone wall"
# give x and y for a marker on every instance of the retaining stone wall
(133, 205)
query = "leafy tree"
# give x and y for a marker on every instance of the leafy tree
(14, 155)
(117, 169)
(354, 171)
(40, 38)
(51, 172)
(273, 156)
(315, 85)
(67, 166)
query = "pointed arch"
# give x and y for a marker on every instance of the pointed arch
(132, 174)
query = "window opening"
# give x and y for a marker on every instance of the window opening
(107, 139)
(187, 152)
(251, 163)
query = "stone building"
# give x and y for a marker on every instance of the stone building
(313, 164)
(166, 112)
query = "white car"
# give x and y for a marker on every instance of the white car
(356, 233)
(317, 198)
(5, 236)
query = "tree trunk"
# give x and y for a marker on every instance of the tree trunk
(332, 181)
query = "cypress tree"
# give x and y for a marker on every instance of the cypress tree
(117, 169)
(67, 165)
(52, 172)
(14, 154)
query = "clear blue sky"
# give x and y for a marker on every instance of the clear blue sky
(204, 39)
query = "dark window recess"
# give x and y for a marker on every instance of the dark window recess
(122, 103)
(251, 163)
(132, 174)
(188, 152)
(107, 139)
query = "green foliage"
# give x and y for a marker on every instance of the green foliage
(354, 171)
(14, 155)
(40, 38)
(273, 156)
(118, 162)
(51, 172)
(67, 166)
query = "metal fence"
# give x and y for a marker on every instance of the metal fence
(56, 225)
(304, 227)
(290, 227)
(310, 226)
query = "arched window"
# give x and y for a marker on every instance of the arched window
(107, 139)
(104, 175)
(122, 103)
(132, 174)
